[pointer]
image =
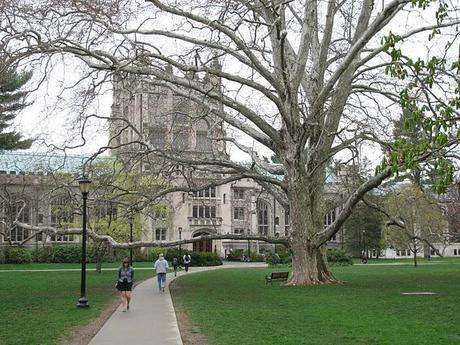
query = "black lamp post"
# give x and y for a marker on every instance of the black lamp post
(131, 219)
(364, 246)
(180, 247)
(83, 183)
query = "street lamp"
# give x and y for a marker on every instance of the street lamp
(131, 219)
(180, 247)
(249, 247)
(83, 184)
(364, 247)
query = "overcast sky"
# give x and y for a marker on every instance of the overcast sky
(51, 118)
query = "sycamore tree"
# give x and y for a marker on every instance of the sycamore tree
(303, 81)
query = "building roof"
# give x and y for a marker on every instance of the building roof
(28, 162)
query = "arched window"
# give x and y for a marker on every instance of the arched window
(203, 139)
(262, 217)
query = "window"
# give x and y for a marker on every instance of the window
(262, 217)
(206, 193)
(203, 142)
(61, 211)
(204, 212)
(238, 193)
(62, 238)
(329, 218)
(238, 231)
(18, 234)
(105, 210)
(287, 222)
(238, 213)
(158, 137)
(62, 216)
(455, 252)
(180, 140)
(160, 234)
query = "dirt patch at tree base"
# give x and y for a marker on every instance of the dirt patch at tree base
(190, 334)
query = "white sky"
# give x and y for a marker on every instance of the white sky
(51, 117)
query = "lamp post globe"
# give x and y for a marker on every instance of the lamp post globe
(83, 183)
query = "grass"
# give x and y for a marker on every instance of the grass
(410, 261)
(42, 266)
(39, 308)
(234, 306)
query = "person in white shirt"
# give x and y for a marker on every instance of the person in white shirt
(161, 267)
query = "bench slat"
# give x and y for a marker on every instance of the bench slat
(277, 276)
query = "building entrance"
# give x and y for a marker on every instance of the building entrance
(203, 245)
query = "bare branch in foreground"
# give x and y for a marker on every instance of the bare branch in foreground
(147, 244)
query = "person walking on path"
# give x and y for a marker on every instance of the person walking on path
(161, 267)
(175, 265)
(187, 261)
(125, 281)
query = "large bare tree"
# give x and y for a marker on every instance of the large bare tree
(306, 80)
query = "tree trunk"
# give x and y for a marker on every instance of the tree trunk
(310, 266)
(309, 260)
(98, 262)
(415, 256)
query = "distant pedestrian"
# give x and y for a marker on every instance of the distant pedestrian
(161, 267)
(175, 265)
(125, 281)
(187, 260)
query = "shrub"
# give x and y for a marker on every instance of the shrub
(170, 253)
(68, 253)
(235, 255)
(339, 257)
(205, 259)
(272, 258)
(155, 252)
(43, 254)
(15, 255)
(256, 257)
(284, 254)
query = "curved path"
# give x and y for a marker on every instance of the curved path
(151, 319)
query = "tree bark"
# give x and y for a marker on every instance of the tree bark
(309, 260)
(310, 266)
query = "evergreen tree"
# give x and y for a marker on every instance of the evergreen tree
(364, 230)
(11, 101)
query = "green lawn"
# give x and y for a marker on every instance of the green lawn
(38, 308)
(410, 261)
(68, 266)
(234, 306)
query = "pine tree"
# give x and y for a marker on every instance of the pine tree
(11, 101)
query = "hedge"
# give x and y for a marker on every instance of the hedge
(64, 253)
(198, 258)
(283, 256)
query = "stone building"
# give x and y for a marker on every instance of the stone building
(176, 125)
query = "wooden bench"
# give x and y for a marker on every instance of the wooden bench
(278, 276)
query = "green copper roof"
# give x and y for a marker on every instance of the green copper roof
(24, 162)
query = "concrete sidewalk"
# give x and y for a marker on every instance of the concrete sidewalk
(151, 319)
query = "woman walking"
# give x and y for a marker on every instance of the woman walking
(125, 283)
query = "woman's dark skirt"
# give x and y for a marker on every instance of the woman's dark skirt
(124, 286)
